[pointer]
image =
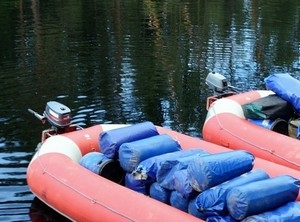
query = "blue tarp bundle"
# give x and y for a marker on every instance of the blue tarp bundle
(212, 202)
(140, 186)
(147, 169)
(159, 193)
(178, 201)
(182, 184)
(289, 212)
(286, 87)
(211, 170)
(131, 154)
(221, 219)
(193, 210)
(167, 168)
(111, 140)
(261, 196)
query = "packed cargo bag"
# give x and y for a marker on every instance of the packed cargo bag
(286, 87)
(132, 153)
(147, 169)
(140, 186)
(260, 196)
(212, 202)
(178, 201)
(227, 218)
(193, 210)
(289, 212)
(182, 184)
(167, 168)
(211, 170)
(269, 107)
(159, 193)
(111, 140)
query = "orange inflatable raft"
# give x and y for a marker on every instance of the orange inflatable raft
(55, 176)
(58, 176)
(226, 125)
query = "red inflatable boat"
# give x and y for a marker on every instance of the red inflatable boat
(56, 177)
(264, 122)
(226, 125)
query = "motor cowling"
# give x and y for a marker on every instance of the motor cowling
(58, 115)
(217, 82)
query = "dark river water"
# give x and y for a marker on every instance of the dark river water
(125, 62)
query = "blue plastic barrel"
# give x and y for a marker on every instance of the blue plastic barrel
(99, 164)
(276, 125)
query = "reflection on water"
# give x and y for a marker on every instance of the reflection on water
(126, 62)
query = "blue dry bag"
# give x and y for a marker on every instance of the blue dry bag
(111, 140)
(131, 154)
(211, 170)
(261, 196)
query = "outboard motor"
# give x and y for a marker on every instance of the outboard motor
(220, 87)
(57, 114)
(219, 84)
